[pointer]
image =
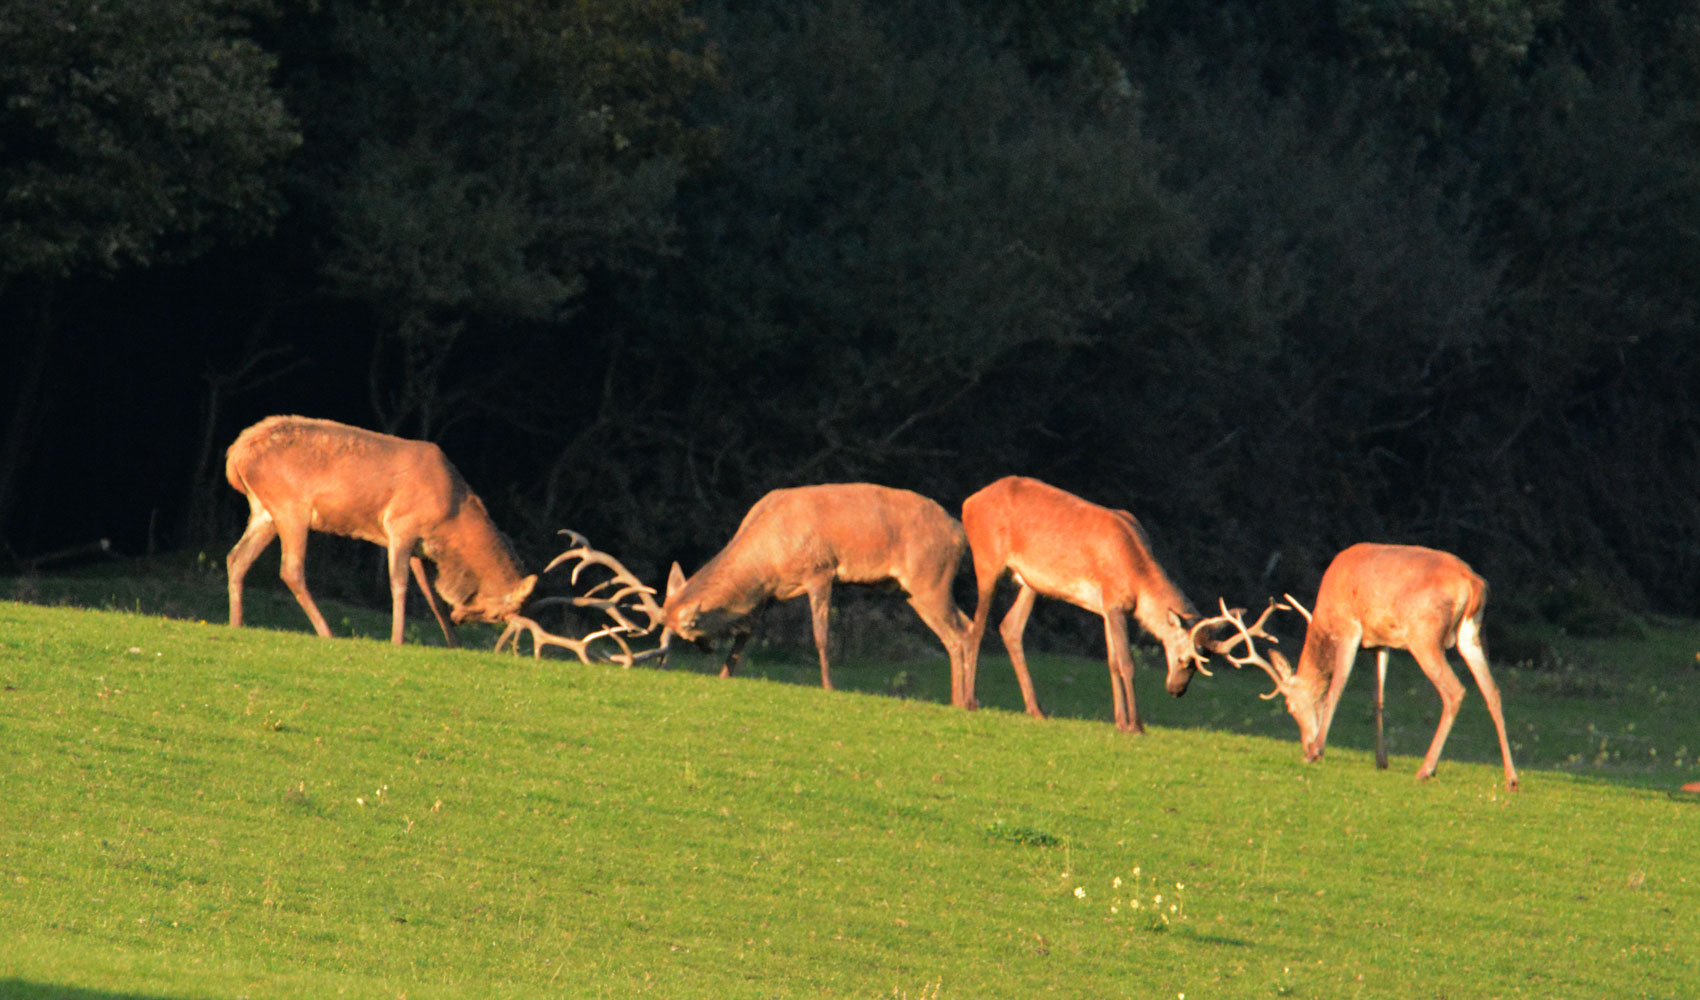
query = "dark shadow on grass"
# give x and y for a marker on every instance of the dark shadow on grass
(18, 989)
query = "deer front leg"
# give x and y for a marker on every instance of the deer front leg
(1344, 656)
(293, 571)
(1380, 689)
(986, 583)
(1013, 625)
(1121, 673)
(418, 565)
(736, 653)
(820, 612)
(398, 560)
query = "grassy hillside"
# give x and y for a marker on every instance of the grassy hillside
(192, 811)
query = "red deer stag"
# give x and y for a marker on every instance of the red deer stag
(1384, 597)
(799, 541)
(1056, 544)
(301, 474)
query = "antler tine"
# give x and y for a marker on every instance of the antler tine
(1248, 635)
(626, 585)
(1293, 603)
(541, 637)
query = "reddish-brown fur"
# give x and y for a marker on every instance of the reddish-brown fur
(300, 474)
(800, 541)
(1391, 597)
(1059, 545)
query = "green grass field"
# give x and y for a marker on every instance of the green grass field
(193, 811)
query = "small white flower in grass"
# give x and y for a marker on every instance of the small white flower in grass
(1158, 899)
(1079, 892)
(1136, 870)
(1117, 883)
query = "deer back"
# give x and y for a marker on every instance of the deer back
(853, 532)
(1398, 596)
(1069, 548)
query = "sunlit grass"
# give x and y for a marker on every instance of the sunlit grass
(193, 811)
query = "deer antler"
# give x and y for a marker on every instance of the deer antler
(615, 605)
(541, 637)
(1248, 635)
(629, 586)
(1293, 602)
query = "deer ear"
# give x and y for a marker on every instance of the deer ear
(675, 582)
(523, 591)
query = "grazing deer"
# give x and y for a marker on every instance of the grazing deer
(1056, 544)
(301, 474)
(799, 541)
(1385, 597)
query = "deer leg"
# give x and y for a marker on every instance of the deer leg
(398, 560)
(1014, 623)
(741, 638)
(259, 534)
(1380, 689)
(292, 537)
(941, 615)
(820, 612)
(418, 565)
(1475, 657)
(1121, 672)
(986, 584)
(1433, 661)
(736, 653)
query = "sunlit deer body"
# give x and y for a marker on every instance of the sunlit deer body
(799, 541)
(301, 474)
(1384, 597)
(1056, 544)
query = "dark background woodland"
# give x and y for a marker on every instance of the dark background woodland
(1276, 276)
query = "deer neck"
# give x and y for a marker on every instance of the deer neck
(1158, 602)
(1319, 658)
(732, 583)
(471, 556)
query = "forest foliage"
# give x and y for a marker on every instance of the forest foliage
(1278, 277)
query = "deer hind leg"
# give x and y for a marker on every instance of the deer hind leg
(820, 613)
(259, 534)
(1121, 672)
(1433, 661)
(292, 536)
(1013, 625)
(1475, 657)
(1380, 690)
(418, 565)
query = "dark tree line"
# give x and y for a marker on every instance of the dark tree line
(1276, 276)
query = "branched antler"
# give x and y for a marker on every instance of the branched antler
(1248, 635)
(541, 637)
(618, 605)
